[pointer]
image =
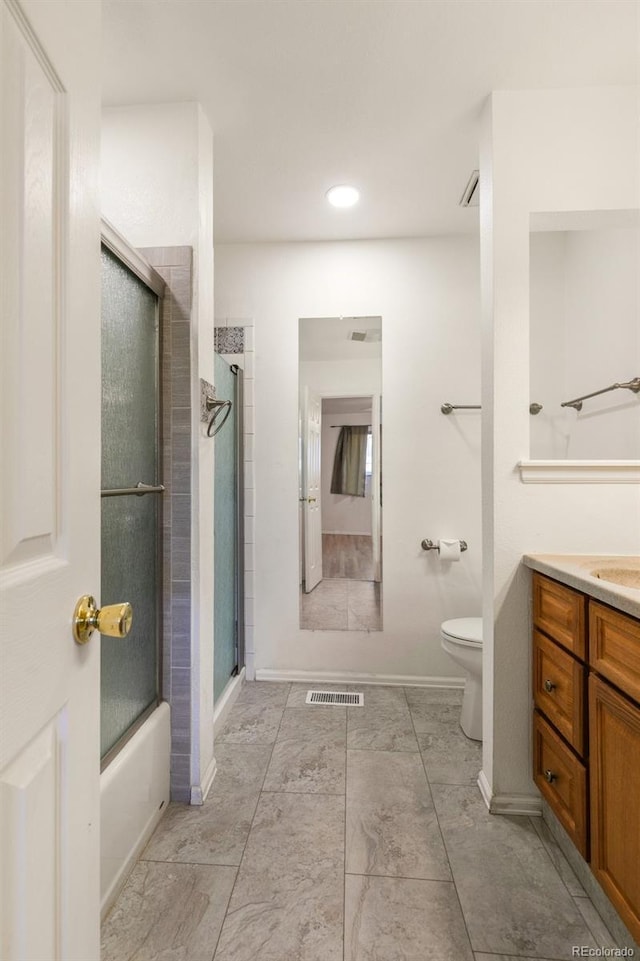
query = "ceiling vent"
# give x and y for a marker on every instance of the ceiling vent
(471, 195)
(372, 336)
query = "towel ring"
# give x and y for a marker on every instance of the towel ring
(218, 407)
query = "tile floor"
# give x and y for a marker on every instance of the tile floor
(348, 834)
(341, 604)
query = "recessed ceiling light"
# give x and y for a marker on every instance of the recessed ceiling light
(343, 196)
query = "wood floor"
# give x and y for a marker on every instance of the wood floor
(347, 598)
(347, 555)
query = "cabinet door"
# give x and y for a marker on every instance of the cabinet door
(614, 730)
(614, 647)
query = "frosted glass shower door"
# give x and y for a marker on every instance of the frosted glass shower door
(130, 521)
(228, 535)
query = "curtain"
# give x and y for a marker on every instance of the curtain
(349, 464)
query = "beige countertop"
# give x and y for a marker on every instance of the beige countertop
(575, 570)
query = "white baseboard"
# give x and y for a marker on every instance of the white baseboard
(249, 665)
(485, 789)
(350, 533)
(226, 702)
(229, 696)
(528, 805)
(355, 677)
(199, 791)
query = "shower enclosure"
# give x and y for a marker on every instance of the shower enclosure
(135, 735)
(131, 498)
(228, 649)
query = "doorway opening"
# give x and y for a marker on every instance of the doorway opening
(340, 513)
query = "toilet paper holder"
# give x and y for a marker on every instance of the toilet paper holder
(429, 545)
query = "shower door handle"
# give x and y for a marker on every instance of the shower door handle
(114, 620)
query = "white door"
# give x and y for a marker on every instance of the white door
(312, 505)
(376, 469)
(49, 479)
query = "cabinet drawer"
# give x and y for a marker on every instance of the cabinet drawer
(562, 780)
(560, 611)
(614, 647)
(559, 689)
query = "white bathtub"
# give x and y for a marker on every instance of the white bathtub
(134, 793)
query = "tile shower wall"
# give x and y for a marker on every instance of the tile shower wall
(234, 339)
(174, 264)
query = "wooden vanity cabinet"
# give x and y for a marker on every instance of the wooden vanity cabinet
(559, 685)
(586, 733)
(614, 734)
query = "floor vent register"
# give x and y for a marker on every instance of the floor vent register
(335, 697)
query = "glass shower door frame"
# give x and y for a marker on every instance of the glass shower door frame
(239, 399)
(116, 244)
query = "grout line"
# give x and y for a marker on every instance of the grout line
(244, 849)
(440, 831)
(344, 849)
(400, 877)
(281, 790)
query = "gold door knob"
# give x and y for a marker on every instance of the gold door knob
(114, 619)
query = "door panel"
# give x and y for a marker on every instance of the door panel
(129, 665)
(129, 680)
(376, 473)
(312, 492)
(49, 479)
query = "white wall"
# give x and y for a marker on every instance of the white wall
(157, 190)
(427, 292)
(555, 150)
(585, 335)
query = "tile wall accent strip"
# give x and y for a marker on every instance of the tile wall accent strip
(228, 340)
(174, 266)
(207, 392)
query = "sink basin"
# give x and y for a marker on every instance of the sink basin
(625, 576)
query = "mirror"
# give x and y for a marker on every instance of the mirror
(584, 307)
(340, 474)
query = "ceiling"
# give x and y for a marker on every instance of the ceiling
(329, 338)
(346, 405)
(382, 94)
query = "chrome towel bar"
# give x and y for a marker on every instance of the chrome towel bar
(448, 408)
(218, 407)
(138, 490)
(633, 385)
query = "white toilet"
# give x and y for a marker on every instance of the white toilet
(462, 639)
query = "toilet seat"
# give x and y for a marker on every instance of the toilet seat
(463, 630)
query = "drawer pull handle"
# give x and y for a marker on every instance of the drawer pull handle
(549, 686)
(550, 776)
